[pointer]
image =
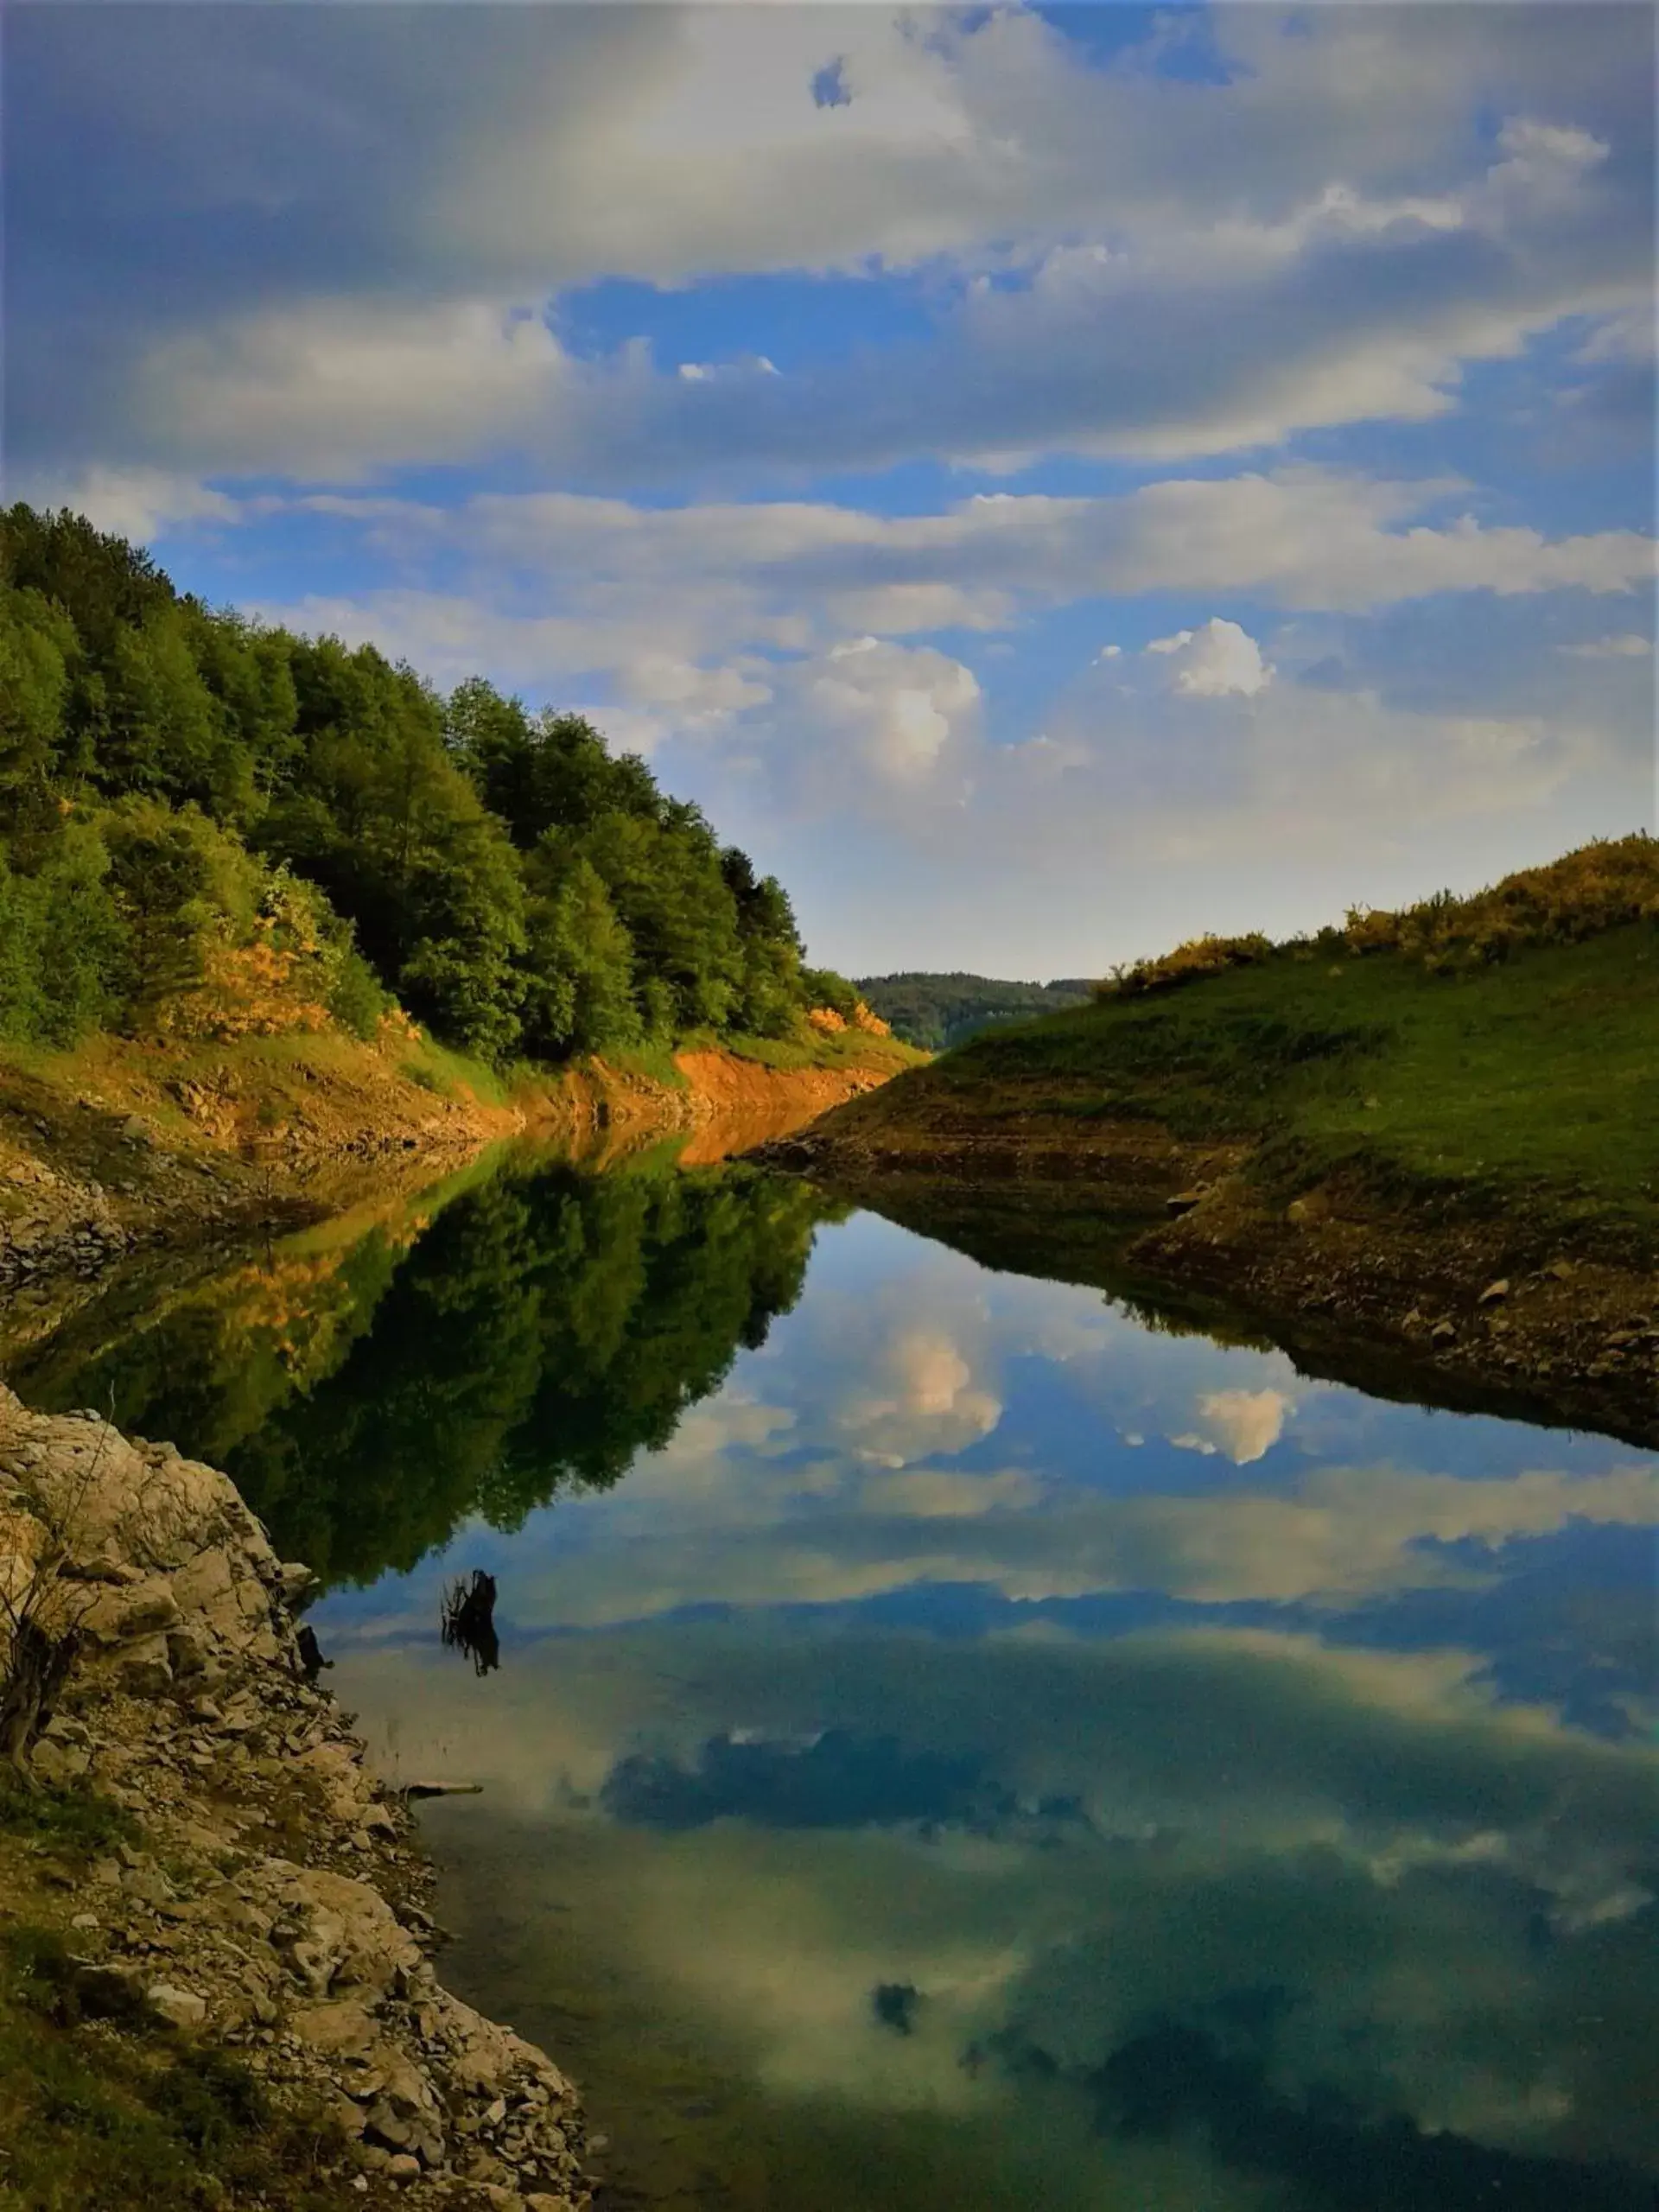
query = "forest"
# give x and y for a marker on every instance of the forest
(212, 827)
(935, 1012)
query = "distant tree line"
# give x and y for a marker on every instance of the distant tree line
(935, 1012)
(211, 826)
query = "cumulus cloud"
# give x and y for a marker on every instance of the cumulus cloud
(1249, 1422)
(897, 709)
(1215, 661)
(922, 1397)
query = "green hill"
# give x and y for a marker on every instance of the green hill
(1483, 1048)
(1436, 1129)
(937, 1011)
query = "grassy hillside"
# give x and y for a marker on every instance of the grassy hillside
(1481, 1052)
(937, 1011)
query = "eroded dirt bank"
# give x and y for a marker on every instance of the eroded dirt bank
(128, 1147)
(1458, 1307)
(269, 1900)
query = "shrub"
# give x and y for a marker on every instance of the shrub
(1602, 885)
(1199, 957)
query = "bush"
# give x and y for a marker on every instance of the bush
(1199, 957)
(1601, 886)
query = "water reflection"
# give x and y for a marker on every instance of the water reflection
(371, 1386)
(994, 1754)
(989, 1753)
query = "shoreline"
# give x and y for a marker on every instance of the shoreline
(1472, 1312)
(144, 1158)
(270, 1902)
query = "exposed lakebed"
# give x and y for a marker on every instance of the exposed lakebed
(957, 1746)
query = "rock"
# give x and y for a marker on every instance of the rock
(57, 1764)
(138, 1609)
(186, 1652)
(388, 2127)
(1443, 1332)
(1184, 1201)
(179, 2008)
(342, 2029)
(403, 2168)
(1495, 1291)
(146, 1670)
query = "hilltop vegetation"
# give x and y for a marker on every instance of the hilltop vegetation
(211, 829)
(935, 1012)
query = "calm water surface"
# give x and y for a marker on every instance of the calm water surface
(955, 1747)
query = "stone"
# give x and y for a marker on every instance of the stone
(403, 2168)
(1495, 1293)
(343, 2028)
(187, 1655)
(387, 2126)
(1184, 1202)
(146, 1670)
(137, 1610)
(57, 1764)
(179, 2008)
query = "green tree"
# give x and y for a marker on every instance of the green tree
(38, 647)
(63, 948)
(579, 963)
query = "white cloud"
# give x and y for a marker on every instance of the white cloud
(335, 389)
(1322, 229)
(1249, 1422)
(920, 1397)
(1215, 661)
(135, 503)
(1627, 645)
(898, 710)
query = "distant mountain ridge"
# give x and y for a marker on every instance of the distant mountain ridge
(937, 1011)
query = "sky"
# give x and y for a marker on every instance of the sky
(1048, 482)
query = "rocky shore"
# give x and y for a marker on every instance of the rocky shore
(269, 1897)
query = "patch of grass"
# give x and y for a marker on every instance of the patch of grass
(96, 2110)
(76, 1823)
(842, 1048)
(433, 1067)
(654, 1061)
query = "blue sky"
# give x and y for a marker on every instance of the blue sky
(1047, 481)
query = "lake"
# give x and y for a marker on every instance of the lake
(956, 1743)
